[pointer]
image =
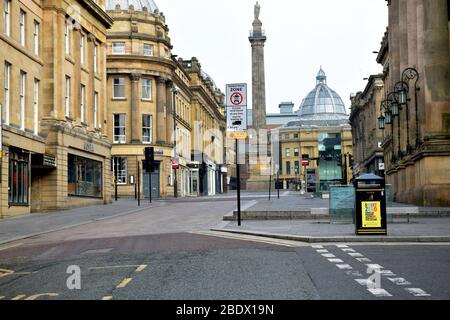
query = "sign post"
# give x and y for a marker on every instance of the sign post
(150, 167)
(237, 127)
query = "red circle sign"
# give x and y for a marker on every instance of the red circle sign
(236, 98)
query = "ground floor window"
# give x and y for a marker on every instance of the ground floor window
(18, 179)
(120, 164)
(85, 177)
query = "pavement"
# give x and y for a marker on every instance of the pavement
(26, 226)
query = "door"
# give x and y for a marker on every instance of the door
(155, 185)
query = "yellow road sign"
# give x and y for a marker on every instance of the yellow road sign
(237, 135)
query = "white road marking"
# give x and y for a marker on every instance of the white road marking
(114, 267)
(380, 293)
(355, 255)
(354, 273)
(363, 282)
(400, 281)
(344, 266)
(387, 273)
(341, 246)
(317, 247)
(336, 260)
(328, 255)
(348, 250)
(107, 298)
(272, 241)
(322, 251)
(417, 292)
(363, 259)
(374, 266)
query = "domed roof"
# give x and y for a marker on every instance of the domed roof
(138, 5)
(322, 106)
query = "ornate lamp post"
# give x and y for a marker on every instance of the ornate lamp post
(402, 90)
(407, 75)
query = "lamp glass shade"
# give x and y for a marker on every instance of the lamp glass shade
(388, 116)
(381, 122)
(402, 96)
(394, 108)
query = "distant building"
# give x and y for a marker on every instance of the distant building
(321, 135)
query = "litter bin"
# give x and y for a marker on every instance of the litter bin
(370, 205)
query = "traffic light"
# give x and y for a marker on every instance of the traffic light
(149, 163)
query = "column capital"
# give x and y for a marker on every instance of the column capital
(135, 76)
(162, 80)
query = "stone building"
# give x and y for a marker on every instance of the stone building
(208, 140)
(415, 54)
(55, 153)
(367, 136)
(322, 136)
(159, 101)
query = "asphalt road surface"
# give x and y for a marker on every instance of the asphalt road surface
(168, 253)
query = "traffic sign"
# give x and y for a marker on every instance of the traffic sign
(237, 95)
(237, 110)
(237, 135)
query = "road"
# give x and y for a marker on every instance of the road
(168, 253)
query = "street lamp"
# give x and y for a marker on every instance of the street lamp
(401, 90)
(407, 75)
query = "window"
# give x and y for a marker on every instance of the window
(82, 102)
(148, 49)
(146, 89)
(7, 91)
(288, 167)
(295, 135)
(82, 53)
(119, 87)
(297, 167)
(95, 110)
(66, 38)
(296, 152)
(95, 58)
(36, 37)
(118, 48)
(286, 136)
(146, 128)
(119, 128)
(120, 164)
(36, 107)
(23, 77)
(288, 152)
(67, 97)
(84, 177)
(7, 16)
(22, 28)
(18, 177)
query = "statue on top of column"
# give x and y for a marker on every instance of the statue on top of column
(257, 10)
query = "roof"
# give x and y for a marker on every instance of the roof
(138, 5)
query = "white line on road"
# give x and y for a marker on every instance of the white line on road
(328, 255)
(341, 246)
(355, 255)
(363, 259)
(380, 293)
(336, 260)
(348, 250)
(344, 266)
(400, 281)
(374, 266)
(317, 247)
(322, 251)
(417, 292)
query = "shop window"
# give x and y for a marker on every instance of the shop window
(85, 177)
(120, 163)
(18, 178)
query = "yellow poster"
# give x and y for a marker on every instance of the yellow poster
(371, 214)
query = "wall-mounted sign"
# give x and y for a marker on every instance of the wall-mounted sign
(88, 147)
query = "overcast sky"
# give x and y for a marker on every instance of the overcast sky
(339, 35)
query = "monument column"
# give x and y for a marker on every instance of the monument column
(257, 39)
